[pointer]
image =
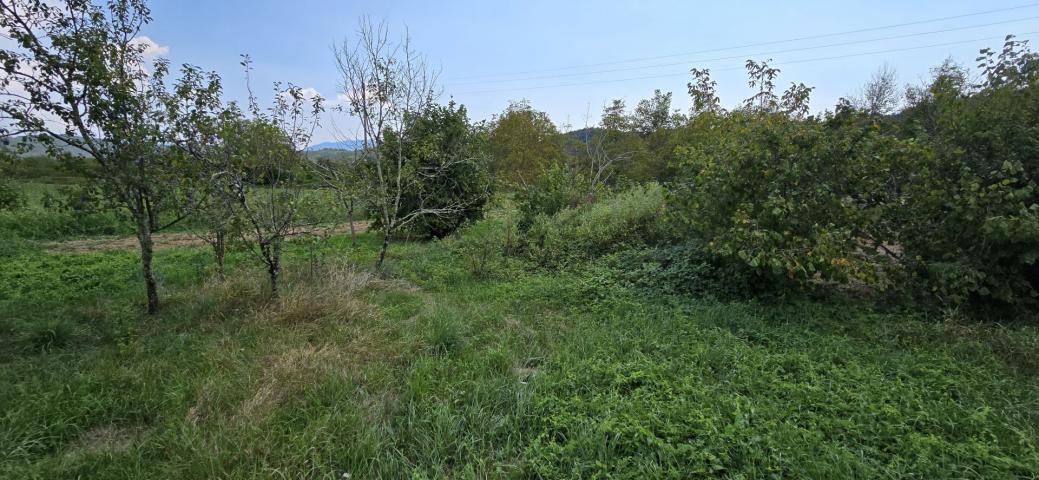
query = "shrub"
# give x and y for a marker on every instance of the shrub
(10, 197)
(971, 227)
(482, 253)
(793, 200)
(577, 234)
(554, 190)
(685, 268)
(450, 173)
(485, 247)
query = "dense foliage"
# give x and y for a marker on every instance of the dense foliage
(444, 156)
(974, 209)
(522, 142)
(796, 200)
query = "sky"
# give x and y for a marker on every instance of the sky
(570, 58)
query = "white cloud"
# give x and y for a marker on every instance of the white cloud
(151, 49)
(308, 93)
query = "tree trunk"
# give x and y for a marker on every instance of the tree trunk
(350, 217)
(219, 249)
(385, 246)
(144, 237)
(272, 272)
(272, 254)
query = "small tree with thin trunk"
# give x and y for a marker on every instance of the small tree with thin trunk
(881, 95)
(385, 84)
(447, 174)
(77, 77)
(202, 158)
(345, 180)
(607, 147)
(266, 156)
(388, 86)
(209, 195)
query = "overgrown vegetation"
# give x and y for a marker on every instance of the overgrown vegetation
(755, 292)
(517, 373)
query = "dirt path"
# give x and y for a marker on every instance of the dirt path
(165, 241)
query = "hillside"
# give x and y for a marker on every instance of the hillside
(35, 148)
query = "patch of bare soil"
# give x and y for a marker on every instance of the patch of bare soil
(165, 241)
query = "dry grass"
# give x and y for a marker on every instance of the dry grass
(107, 439)
(322, 327)
(334, 291)
(287, 375)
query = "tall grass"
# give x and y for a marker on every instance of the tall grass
(575, 235)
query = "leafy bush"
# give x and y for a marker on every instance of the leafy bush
(942, 196)
(793, 200)
(577, 234)
(487, 248)
(451, 173)
(554, 190)
(522, 141)
(80, 199)
(685, 268)
(10, 197)
(971, 229)
(482, 251)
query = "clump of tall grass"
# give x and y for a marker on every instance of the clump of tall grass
(330, 290)
(574, 235)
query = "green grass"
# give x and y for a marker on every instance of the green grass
(34, 221)
(433, 372)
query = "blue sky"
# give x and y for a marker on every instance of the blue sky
(492, 52)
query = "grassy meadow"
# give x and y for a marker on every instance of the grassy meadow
(465, 363)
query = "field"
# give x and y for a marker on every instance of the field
(192, 285)
(431, 370)
(44, 217)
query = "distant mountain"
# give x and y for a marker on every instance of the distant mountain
(348, 145)
(584, 134)
(35, 148)
(333, 154)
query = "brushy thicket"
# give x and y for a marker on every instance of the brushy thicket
(553, 191)
(794, 200)
(938, 202)
(576, 235)
(972, 216)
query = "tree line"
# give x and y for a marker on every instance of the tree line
(926, 192)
